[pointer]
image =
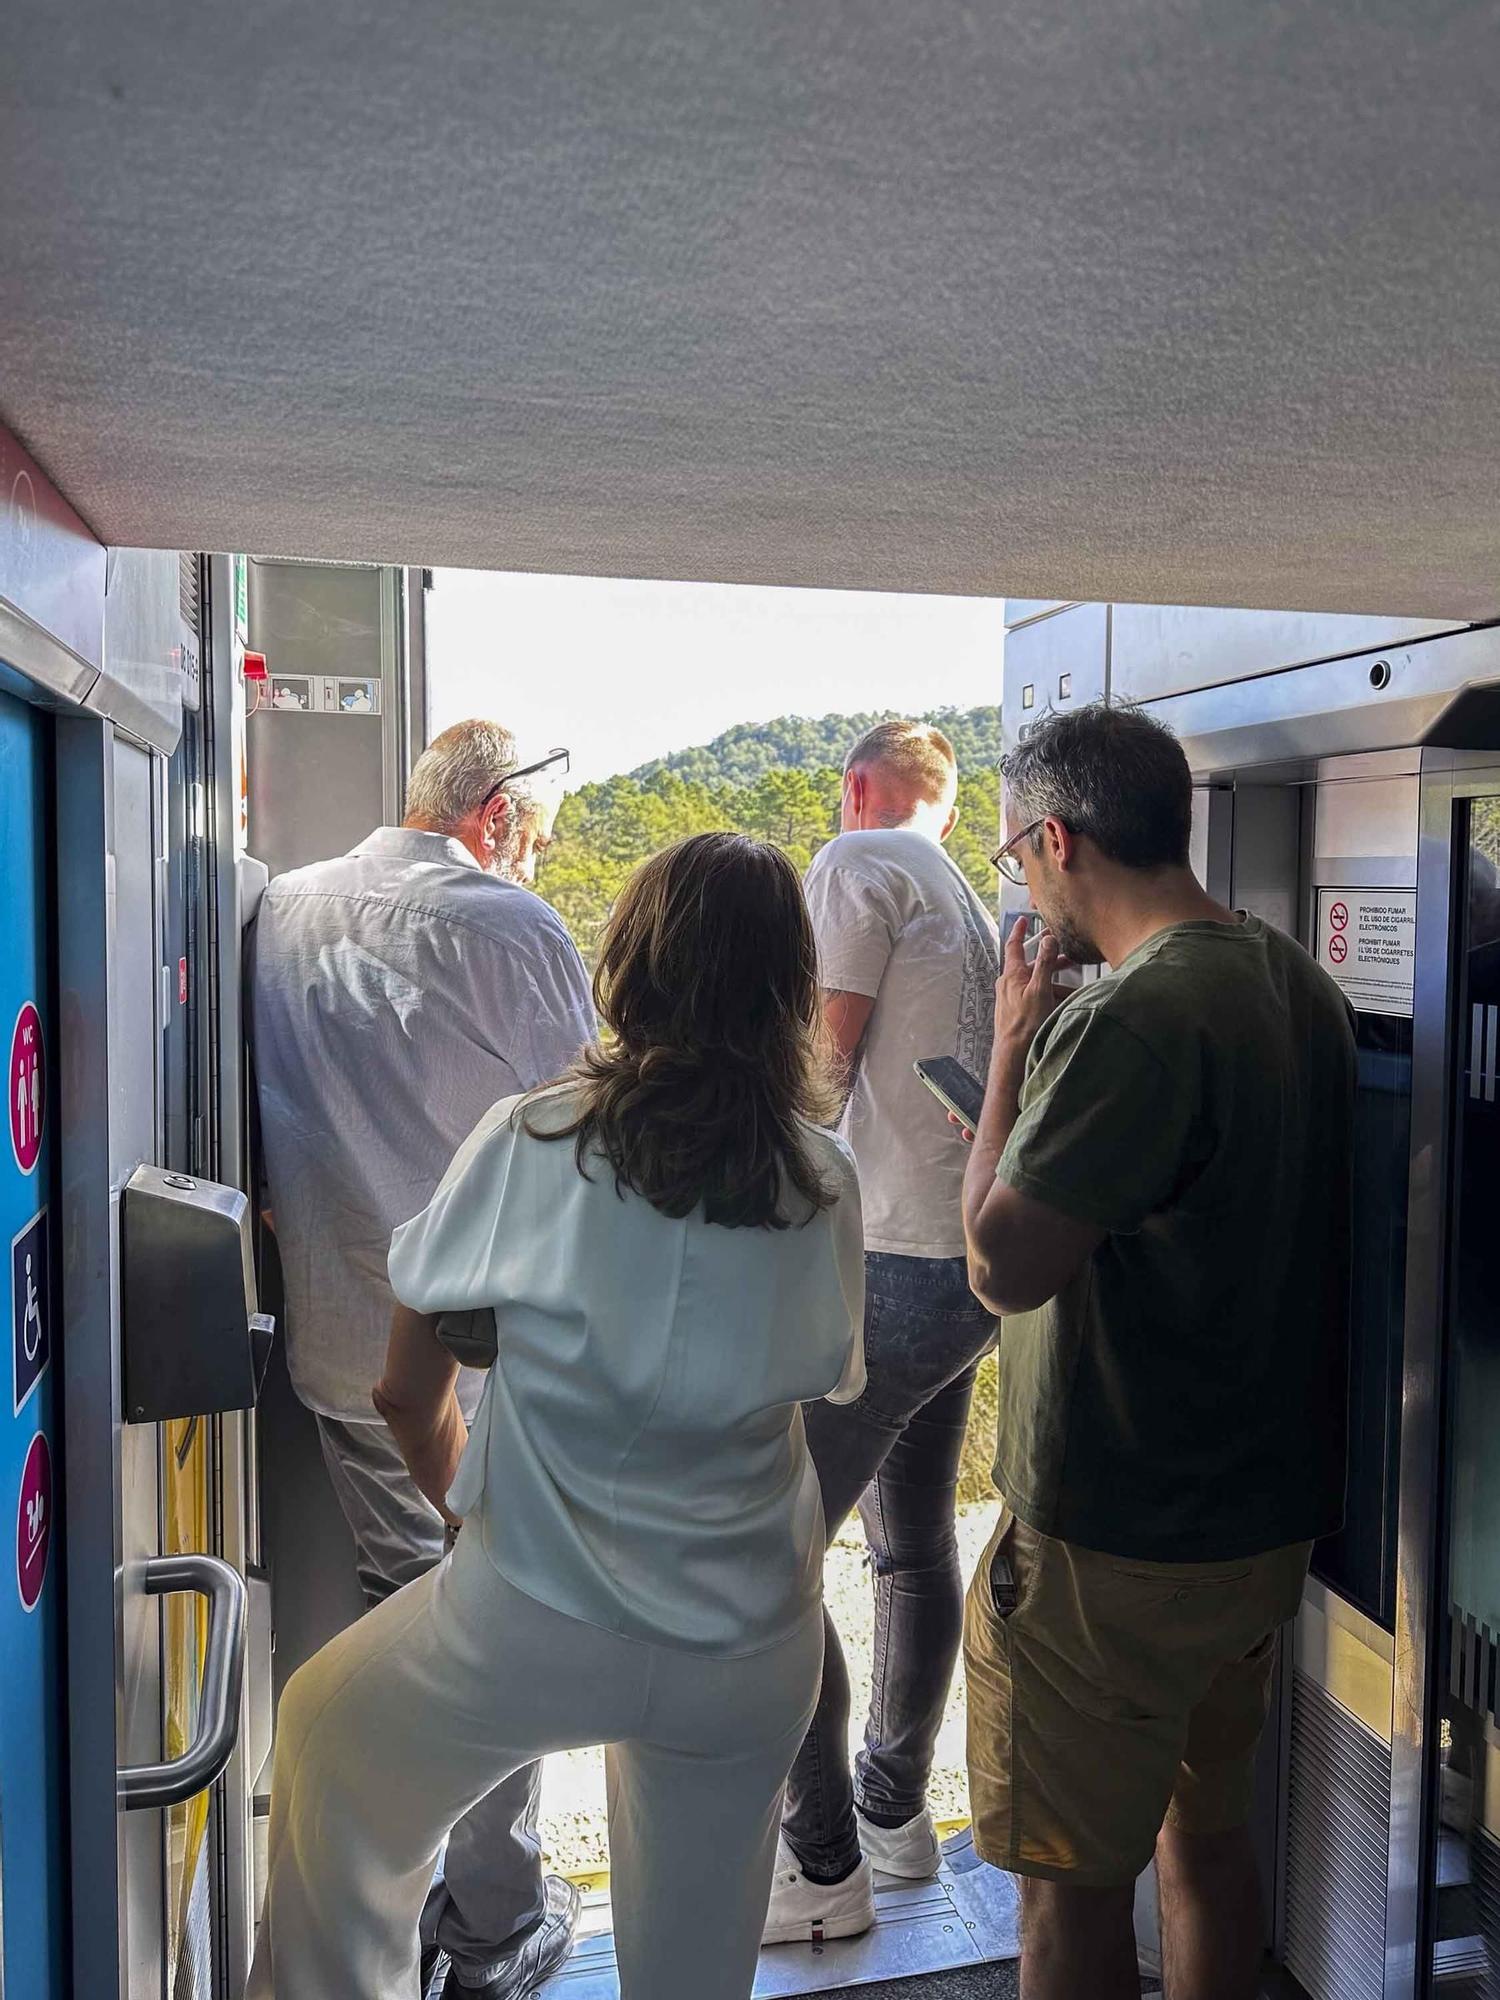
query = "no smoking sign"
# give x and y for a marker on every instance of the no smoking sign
(1367, 940)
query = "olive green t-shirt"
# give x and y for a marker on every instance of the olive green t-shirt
(1184, 1397)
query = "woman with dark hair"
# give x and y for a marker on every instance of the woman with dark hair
(673, 1253)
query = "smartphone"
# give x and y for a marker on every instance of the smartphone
(953, 1087)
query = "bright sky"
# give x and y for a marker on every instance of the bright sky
(624, 671)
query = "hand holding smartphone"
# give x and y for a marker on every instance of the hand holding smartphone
(955, 1088)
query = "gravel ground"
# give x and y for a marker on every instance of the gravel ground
(573, 1825)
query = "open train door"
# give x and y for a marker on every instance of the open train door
(127, 1285)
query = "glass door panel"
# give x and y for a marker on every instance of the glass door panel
(1467, 1901)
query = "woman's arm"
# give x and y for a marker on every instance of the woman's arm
(418, 1397)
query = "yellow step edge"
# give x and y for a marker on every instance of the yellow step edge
(595, 1881)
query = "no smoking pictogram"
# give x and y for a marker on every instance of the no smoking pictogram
(1338, 948)
(27, 1086)
(1338, 916)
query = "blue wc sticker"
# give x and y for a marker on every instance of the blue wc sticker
(30, 1309)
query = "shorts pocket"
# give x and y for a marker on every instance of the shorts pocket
(1010, 1568)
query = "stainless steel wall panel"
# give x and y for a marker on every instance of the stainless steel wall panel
(150, 653)
(1266, 875)
(1021, 610)
(1211, 850)
(51, 580)
(1165, 649)
(1365, 826)
(318, 782)
(1054, 663)
(1443, 691)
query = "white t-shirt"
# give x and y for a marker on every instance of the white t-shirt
(638, 1459)
(896, 921)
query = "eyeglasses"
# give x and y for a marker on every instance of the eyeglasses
(1008, 861)
(558, 757)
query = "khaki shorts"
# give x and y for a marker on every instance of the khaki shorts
(1107, 1696)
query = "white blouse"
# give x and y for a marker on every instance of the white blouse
(638, 1458)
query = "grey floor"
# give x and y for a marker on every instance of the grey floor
(953, 1938)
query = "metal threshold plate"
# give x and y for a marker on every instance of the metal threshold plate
(966, 1916)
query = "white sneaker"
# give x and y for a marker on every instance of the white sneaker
(910, 1851)
(804, 1912)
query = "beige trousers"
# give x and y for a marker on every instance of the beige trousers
(392, 1732)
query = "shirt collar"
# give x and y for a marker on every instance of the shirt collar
(410, 843)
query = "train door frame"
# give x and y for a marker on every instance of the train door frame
(236, 1465)
(1449, 779)
(118, 906)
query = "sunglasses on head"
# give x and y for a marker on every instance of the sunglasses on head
(558, 757)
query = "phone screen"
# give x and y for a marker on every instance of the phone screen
(953, 1086)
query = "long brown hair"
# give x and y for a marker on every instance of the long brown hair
(707, 985)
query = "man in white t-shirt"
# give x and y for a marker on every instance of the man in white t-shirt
(908, 958)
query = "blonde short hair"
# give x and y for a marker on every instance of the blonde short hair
(914, 754)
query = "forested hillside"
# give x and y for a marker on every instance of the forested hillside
(779, 780)
(816, 743)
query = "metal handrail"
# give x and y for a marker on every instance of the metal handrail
(144, 1786)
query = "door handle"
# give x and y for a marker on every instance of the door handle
(142, 1786)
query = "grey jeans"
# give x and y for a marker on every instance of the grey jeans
(489, 1892)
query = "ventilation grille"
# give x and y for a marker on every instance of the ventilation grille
(188, 592)
(1480, 1955)
(1339, 1810)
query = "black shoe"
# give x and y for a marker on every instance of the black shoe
(434, 1968)
(536, 1956)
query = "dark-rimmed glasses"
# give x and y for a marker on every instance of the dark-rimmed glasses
(1008, 861)
(552, 757)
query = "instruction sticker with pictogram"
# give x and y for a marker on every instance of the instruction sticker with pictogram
(30, 1309)
(27, 1088)
(1367, 940)
(34, 1522)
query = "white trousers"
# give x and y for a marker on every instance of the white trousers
(392, 1732)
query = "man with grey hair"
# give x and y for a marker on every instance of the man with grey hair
(396, 994)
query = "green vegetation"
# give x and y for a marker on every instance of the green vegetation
(819, 743)
(778, 780)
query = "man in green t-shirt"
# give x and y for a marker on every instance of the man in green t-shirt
(1157, 1203)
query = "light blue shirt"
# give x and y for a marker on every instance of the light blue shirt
(395, 993)
(638, 1460)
